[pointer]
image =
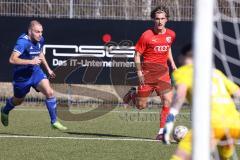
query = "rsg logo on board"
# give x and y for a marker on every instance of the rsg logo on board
(90, 51)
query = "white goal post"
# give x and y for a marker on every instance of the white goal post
(203, 51)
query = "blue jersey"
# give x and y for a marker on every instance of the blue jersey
(27, 49)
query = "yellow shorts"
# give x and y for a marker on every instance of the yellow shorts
(224, 125)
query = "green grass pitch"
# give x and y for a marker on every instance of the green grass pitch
(121, 134)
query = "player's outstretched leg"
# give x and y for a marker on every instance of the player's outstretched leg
(51, 104)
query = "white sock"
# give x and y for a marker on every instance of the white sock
(173, 111)
(161, 131)
(169, 127)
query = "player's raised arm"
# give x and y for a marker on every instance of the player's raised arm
(15, 59)
(171, 60)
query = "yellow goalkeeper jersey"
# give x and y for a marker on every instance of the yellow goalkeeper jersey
(223, 110)
(222, 87)
(225, 119)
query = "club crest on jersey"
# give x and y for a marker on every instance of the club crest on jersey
(169, 39)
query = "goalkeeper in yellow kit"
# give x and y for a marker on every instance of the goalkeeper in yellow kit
(225, 119)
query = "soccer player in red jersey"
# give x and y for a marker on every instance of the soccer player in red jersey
(153, 51)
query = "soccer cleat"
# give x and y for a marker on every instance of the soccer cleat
(4, 118)
(130, 96)
(159, 137)
(59, 126)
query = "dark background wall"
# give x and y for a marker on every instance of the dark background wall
(85, 32)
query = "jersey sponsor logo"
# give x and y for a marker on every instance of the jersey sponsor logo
(163, 48)
(34, 53)
(169, 39)
(90, 51)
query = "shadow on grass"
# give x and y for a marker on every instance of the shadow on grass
(105, 135)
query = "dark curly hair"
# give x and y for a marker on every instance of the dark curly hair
(185, 51)
(159, 9)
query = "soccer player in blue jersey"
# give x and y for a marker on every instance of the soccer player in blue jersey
(27, 56)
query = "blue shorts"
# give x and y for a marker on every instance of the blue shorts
(22, 88)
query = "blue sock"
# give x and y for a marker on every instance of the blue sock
(51, 104)
(170, 117)
(8, 107)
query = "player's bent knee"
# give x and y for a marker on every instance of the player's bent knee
(49, 93)
(17, 101)
(167, 102)
(167, 99)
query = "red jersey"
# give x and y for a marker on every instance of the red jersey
(155, 47)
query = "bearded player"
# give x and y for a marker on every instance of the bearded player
(27, 56)
(153, 51)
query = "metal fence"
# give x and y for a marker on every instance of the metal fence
(95, 9)
(180, 10)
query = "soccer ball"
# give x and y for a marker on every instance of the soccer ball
(179, 133)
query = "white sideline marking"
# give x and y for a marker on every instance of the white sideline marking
(82, 110)
(79, 138)
(85, 138)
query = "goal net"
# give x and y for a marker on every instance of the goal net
(227, 48)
